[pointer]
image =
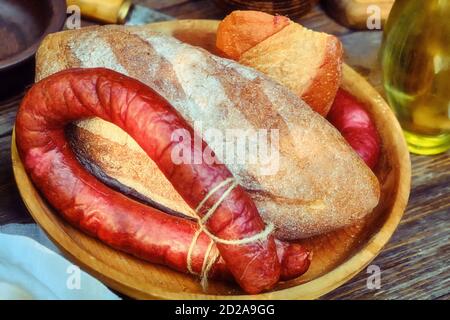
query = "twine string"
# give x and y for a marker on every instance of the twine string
(209, 259)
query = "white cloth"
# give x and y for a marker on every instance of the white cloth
(28, 270)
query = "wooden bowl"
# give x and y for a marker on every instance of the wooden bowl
(338, 256)
(23, 24)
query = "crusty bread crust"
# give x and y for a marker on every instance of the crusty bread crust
(321, 183)
(307, 62)
(323, 88)
(242, 30)
(107, 153)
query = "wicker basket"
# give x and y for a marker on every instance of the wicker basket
(291, 8)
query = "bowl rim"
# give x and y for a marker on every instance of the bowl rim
(57, 21)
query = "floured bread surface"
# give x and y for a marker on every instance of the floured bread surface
(320, 184)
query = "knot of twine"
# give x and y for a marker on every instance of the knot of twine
(212, 253)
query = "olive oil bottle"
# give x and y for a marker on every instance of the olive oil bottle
(416, 72)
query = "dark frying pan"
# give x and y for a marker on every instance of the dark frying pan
(23, 25)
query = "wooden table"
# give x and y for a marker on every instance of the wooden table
(415, 263)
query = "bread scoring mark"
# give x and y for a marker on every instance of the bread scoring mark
(248, 73)
(142, 62)
(93, 51)
(206, 98)
(204, 91)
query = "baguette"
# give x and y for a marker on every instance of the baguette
(321, 183)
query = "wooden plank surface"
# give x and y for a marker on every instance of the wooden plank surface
(414, 265)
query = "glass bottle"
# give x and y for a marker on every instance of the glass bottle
(416, 72)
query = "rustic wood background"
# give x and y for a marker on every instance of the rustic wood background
(415, 263)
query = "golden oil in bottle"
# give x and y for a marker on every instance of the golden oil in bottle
(416, 72)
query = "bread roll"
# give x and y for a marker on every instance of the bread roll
(307, 62)
(242, 30)
(321, 184)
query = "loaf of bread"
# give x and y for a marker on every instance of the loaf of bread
(321, 184)
(307, 62)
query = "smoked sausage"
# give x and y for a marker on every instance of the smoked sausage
(349, 116)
